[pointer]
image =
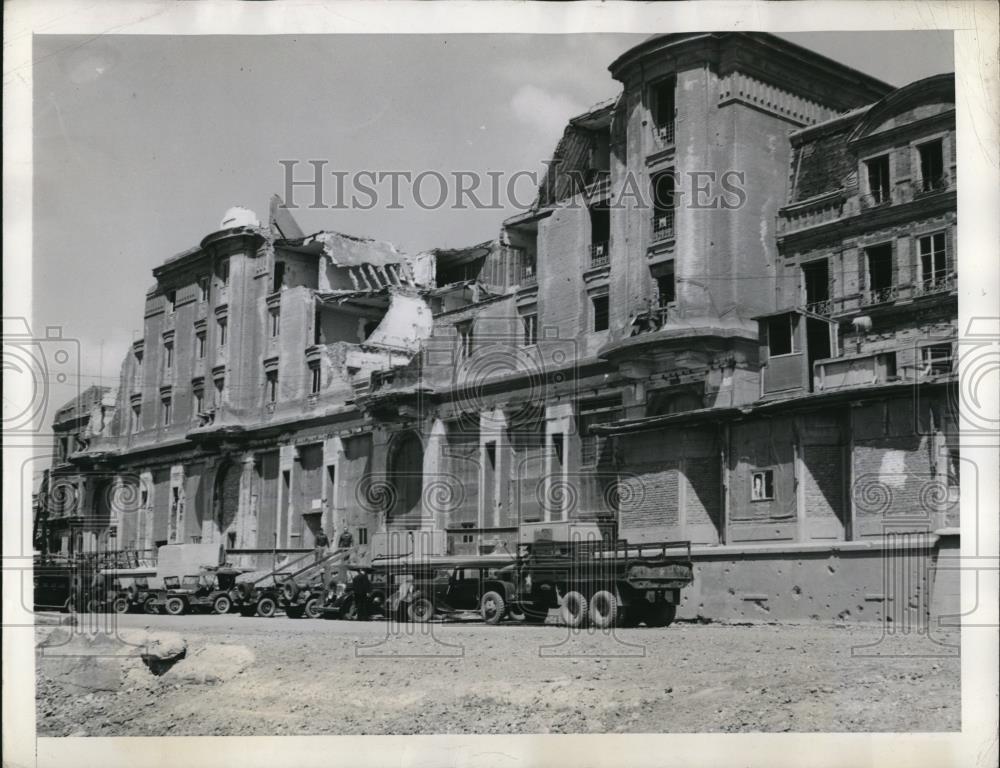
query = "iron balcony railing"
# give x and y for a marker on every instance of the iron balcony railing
(663, 225)
(600, 256)
(821, 307)
(881, 295)
(937, 284)
(664, 133)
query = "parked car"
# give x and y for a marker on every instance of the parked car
(260, 597)
(302, 599)
(340, 601)
(205, 592)
(450, 587)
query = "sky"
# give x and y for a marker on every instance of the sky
(141, 143)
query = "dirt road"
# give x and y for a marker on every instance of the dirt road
(280, 676)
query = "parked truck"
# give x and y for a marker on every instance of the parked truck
(570, 567)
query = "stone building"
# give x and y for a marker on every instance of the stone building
(654, 346)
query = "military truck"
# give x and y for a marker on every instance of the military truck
(571, 567)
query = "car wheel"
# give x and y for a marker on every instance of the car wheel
(222, 604)
(573, 610)
(492, 607)
(266, 607)
(176, 606)
(421, 610)
(150, 605)
(661, 614)
(603, 609)
(313, 608)
(120, 605)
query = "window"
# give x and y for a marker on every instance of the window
(762, 485)
(880, 281)
(167, 408)
(663, 206)
(663, 275)
(136, 418)
(199, 400)
(279, 276)
(931, 165)
(223, 330)
(816, 279)
(465, 339)
(362, 536)
(275, 322)
(781, 335)
(933, 262)
(600, 233)
(224, 271)
(936, 359)
(199, 342)
(663, 108)
(204, 287)
(601, 317)
(317, 379)
(171, 301)
(272, 386)
(220, 386)
(878, 179)
(595, 412)
(530, 327)
(168, 355)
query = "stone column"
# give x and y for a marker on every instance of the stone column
(246, 523)
(437, 490)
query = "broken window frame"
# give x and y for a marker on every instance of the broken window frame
(529, 329)
(929, 154)
(766, 485)
(466, 338)
(878, 179)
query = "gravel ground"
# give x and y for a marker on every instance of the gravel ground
(244, 676)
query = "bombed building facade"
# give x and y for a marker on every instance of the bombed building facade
(729, 317)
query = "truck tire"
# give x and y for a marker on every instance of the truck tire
(492, 607)
(313, 608)
(221, 604)
(266, 607)
(421, 610)
(290, 591)
(120, 605)
(603, 609)
(660, 614)
(150, 606)
(573, 610)
(176, 606)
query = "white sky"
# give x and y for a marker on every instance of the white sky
(142, 142)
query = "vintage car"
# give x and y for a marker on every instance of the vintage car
(451, 587)
(206, 592)
(340, 601)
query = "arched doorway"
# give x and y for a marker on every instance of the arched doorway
(406, 473)
(226, 503)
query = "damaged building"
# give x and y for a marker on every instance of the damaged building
(759, 363)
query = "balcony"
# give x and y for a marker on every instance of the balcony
(880, 295)
(939, 284)
(823, 307)
(652, 319)
(875, 200)
(600, 255)
(663, 226)
(664, 134)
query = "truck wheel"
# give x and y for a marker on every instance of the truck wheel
(120, 605)
(222, 604)
(603, 609)
(492, 607)
(661, 614)
(175, 606)
(149, 606)
(312, 608)
(421, 610)
(573, 610)
(266, 607)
